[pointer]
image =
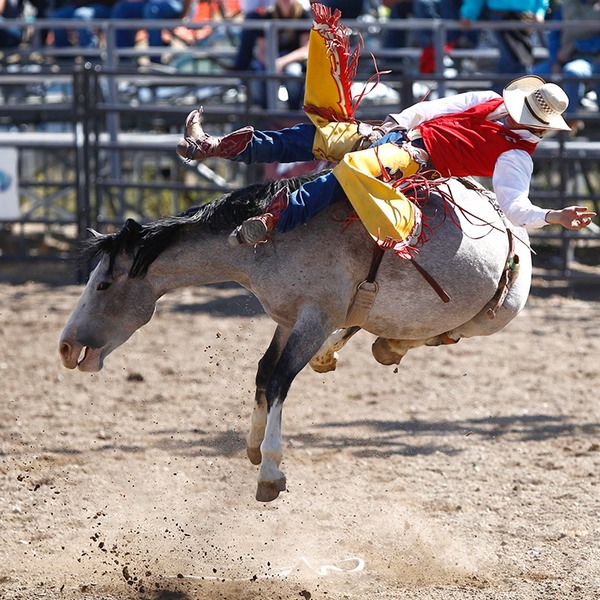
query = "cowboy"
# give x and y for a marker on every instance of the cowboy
(469, 134)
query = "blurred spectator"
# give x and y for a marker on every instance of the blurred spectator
(448, 10)
(44, 7)
(459, 38)
(350, 9)
(149, 10)
(249, 6)
(515, 45)
(551, 38)
(82, 10)
(205, 11)
(10, 37)
(293, 52)
(428, 9)
(398, 9)
(577, 56)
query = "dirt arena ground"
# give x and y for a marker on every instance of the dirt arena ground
(470, 472)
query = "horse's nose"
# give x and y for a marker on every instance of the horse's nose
(65, 352)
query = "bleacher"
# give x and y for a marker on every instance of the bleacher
(95, 130)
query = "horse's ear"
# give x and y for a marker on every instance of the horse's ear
(131, 235)
(94, 233)
(132, 225)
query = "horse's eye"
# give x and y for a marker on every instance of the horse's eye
(103, 285)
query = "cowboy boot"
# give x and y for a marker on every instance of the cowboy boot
(255, 229)
(198, 145)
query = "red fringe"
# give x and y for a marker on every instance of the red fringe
(373, 81)
(323, 15)
(417, 189)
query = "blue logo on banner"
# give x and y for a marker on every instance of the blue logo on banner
(5, 181)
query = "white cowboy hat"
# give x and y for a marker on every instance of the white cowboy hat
(531, 101)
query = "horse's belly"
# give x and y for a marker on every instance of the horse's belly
(411, 307)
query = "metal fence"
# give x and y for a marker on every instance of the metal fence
(92, 135)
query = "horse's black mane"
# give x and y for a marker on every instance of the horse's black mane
(222, 215)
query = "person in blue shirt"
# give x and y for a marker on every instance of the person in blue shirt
(10, 37)
(151, 10)
(577, 56)
(515, 45)
(81, 10)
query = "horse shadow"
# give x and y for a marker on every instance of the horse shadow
(389, 438)
(368, 438)
(384, 438)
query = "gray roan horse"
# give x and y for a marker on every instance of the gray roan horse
(306, 280)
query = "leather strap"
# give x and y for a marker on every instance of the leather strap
(431, 281)
(511, 272)
(375, 262)
(366, 292)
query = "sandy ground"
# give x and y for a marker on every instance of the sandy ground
(470, 472)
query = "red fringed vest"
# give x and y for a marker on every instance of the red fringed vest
(465, 143)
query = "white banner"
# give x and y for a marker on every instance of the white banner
(9, 184)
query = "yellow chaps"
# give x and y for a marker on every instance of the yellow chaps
(328, 88)
(384, 210)
(386, 213)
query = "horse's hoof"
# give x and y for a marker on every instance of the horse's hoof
(267, 491)
(383, 354)
(324, 364)
(320, 367)
(254, 455)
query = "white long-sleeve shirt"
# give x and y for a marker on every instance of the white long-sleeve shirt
(513, 170)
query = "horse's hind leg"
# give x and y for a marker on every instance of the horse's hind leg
(325, 359)
(259, 414)
(390, 352)
(387, 351)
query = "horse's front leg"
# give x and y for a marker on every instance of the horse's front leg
(259, 414)
(271, 479)
(258, 423)
(307, 336)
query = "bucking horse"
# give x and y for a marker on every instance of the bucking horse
(470, 277)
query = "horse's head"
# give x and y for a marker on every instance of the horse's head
(114, 304)
(120, 297)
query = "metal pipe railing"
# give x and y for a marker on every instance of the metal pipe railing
(98, 116)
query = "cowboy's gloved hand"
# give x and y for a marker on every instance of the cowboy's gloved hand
(371, 133)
